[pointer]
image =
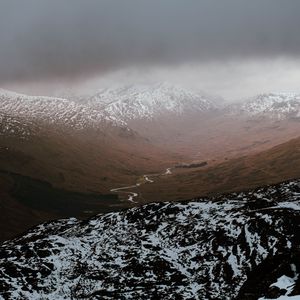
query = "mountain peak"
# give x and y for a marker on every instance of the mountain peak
(51, 110)
(277, 106)
(150, 101)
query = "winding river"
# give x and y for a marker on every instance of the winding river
(147, 179)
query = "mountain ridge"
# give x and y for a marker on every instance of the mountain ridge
(136, 102)
(276, 106)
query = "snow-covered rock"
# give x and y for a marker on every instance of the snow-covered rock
(148, 102)
(52, 110)
(208, 248)
(277, 106)
(114, 106)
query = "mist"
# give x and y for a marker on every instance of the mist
(232, 48)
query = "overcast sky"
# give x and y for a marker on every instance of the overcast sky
(226, 44)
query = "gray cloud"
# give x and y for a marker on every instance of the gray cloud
(53, 38)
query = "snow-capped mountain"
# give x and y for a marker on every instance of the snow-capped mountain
(51, 110)
(137, 102)
(115, 106)
(237, 246)
(277, 106)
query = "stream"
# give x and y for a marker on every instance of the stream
(147, 179)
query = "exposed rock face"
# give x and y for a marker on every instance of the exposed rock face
(235, 245)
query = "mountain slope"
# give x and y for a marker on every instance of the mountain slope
(201, 249)
(62, 138)
(150, 102)
(55, 146)
(51, 159)
(267, 167)
(276, 106)
(170, 117)
(190, 123)
(52, 110)
(161, 112)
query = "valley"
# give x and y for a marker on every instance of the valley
(271, 166)
(120, 144)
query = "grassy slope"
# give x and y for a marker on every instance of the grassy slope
(277, 164)
(86, 163)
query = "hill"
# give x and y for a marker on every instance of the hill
(241, 245)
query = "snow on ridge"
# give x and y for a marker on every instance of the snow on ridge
(149, 101)
(278, 106)
(52, 110)
(115, 105)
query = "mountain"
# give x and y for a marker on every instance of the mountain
(62, 139)
(53, 150)
(61, 134)
(150, 102)
(236, 246)
(168, 115)
(276, 106)
(52, 110)
(197, 126)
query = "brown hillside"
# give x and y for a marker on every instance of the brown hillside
(277, 164)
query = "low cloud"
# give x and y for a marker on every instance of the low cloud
(227, 46)
(66, 38)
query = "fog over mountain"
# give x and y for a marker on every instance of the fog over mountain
(232, 48)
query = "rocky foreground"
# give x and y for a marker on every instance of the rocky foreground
(237, 246)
